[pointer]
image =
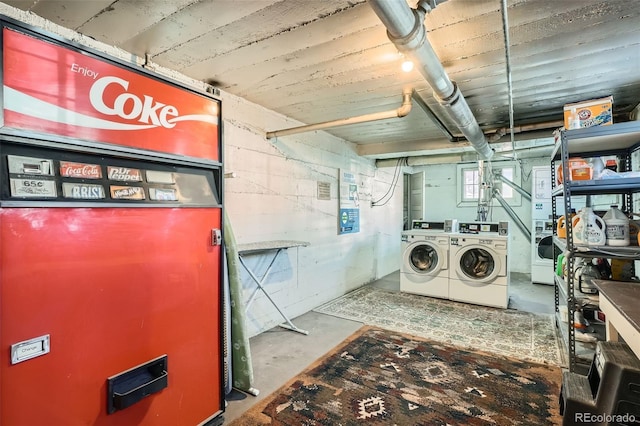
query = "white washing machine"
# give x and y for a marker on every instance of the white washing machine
(479, 271)
(425, 260)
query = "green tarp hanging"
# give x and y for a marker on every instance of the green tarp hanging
(242, 367)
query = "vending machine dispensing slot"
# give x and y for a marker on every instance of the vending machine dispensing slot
(131, 386)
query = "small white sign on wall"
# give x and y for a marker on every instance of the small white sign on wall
(349, 214)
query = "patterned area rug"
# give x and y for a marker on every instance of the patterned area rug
(517, 334)
(381, 377)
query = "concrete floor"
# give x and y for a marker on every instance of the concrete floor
(278, 354)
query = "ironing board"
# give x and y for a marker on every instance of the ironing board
(266, 247)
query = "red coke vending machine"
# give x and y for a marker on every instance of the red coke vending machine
(110, 255)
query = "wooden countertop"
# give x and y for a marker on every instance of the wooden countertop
(625, 296)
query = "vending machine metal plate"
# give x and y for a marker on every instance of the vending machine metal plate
(28, 349)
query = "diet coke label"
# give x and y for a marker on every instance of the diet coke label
(124, 174)
(80, 170)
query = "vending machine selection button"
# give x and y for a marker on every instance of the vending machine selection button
(154, 176)
(127, 192)
(124, 174)
(163, 194)
(28, 349)
(82, 191)
(80, 170)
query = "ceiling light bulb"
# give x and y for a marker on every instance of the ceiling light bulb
(407, 66)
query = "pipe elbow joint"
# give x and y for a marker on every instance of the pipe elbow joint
(416, 37)
(406, 106)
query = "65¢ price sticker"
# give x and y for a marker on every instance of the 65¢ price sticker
(33, 188)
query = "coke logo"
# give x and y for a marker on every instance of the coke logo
(90, 171)
(130, 106)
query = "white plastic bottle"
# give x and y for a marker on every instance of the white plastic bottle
(574, 119)
(616, 227)
(597, 166)
(588, 228)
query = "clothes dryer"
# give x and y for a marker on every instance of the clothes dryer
(541, 192)
(542, 249)
(542, 252)
(425, 260)
(479, 271)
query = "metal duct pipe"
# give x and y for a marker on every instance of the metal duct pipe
(406, 30)
(421, 103)
(400, 112)
(515, 186)
(523, 228)
(462, 156)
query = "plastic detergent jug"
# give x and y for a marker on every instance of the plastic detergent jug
(560, 265)
(616, 227)
(634, 233)
(588, 228)
(561, 226)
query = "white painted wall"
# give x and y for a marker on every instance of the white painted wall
(274, 197)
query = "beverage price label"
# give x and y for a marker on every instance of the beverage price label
(33, 188)
(80, 170)
(82, 191)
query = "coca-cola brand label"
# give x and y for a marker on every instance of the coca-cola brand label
(110, 103)
(124, 174)
(80, 170)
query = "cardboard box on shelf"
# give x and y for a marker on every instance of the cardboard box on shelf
(594, 112)
(579, 170)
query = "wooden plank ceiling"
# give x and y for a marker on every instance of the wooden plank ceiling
(317, 60)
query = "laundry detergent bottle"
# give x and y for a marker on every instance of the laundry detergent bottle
(588, 228)
(616, 227)
(561, 226)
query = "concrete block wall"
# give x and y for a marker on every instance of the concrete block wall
(274, 197)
